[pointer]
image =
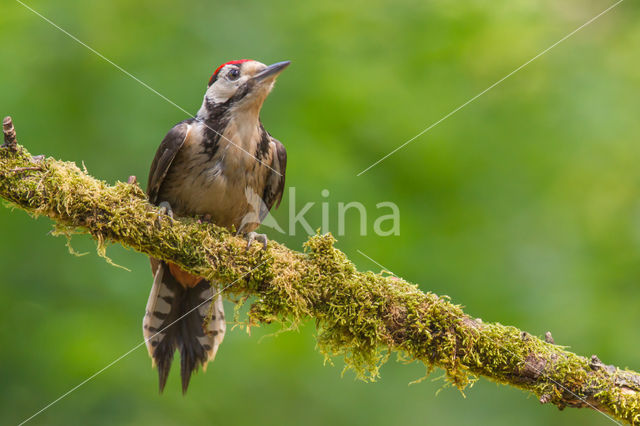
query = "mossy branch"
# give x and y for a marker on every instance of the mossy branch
(361, 316)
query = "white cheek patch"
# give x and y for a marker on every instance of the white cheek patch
(220, 92)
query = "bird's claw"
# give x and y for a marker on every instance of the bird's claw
(164, 208)
(254, 236)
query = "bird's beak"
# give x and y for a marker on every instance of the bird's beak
(271, 71)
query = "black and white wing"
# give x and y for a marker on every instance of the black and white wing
(274, 187)
(167, 151)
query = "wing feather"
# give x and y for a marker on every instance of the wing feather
(274, 187)
(167, 151)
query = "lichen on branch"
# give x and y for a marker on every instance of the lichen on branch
(361, 316)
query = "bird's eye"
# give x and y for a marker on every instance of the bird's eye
(233, 74)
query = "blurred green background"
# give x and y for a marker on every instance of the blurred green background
(524, 206)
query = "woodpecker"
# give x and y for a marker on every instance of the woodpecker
(214, 165)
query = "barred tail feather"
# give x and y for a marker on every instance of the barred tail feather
(190, 320)
(214, 325)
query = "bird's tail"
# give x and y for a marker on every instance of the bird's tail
(190, 319)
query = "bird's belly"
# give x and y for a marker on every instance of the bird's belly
(208, 191)
(224, 200)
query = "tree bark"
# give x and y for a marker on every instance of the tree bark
(361, 316)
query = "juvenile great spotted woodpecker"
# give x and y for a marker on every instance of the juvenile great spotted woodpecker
(213, 165)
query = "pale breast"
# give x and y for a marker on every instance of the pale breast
(226, 183)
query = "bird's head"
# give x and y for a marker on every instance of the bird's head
(241, 84)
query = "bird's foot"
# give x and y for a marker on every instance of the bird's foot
(254, 236)
(164, 208)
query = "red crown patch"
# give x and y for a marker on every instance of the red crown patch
(215, 73)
